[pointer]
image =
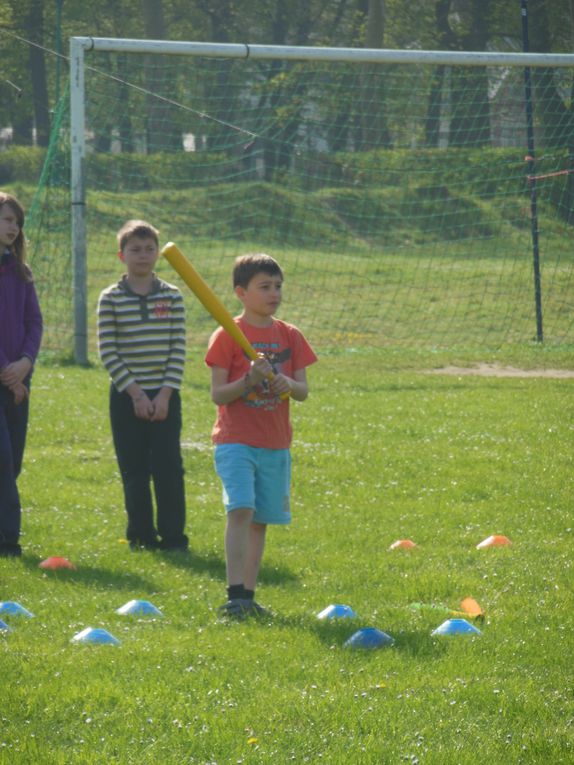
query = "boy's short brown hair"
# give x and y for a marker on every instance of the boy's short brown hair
(246, 266)
(139, 228)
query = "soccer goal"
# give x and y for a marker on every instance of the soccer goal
(414, 198)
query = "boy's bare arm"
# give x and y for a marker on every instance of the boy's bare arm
(296, 386)
(224, 392)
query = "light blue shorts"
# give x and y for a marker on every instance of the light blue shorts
(258, 479)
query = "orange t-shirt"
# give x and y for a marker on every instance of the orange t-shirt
(258, 418)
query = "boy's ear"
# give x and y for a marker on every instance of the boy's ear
(240, 292)
(121, 255)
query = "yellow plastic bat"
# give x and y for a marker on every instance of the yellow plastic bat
(208, 298)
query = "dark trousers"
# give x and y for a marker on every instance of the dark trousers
(13, 427)
(150, 451)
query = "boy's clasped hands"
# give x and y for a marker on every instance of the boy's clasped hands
(261, 369)
(154, 410)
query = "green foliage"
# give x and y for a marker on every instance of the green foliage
(379, 455)
(394, 217)
(338, 217)
(154, 172)
(21, 164)
(486, 171)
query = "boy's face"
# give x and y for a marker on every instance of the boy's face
(140, 255)
(262, 296)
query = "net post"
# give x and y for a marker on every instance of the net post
(78, 199)
(532, 178)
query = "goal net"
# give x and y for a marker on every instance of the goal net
(399, 196)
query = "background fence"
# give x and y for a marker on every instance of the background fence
(396, 195)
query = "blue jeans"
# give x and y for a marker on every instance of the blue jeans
(150, 452)
(13, 427)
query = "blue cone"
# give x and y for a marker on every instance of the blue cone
(4, 627)
(90, 635)
(456, 627)
(139, 608)
(337, 611)
(11, 608)
(369, 637)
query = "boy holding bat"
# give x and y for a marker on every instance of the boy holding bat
(252, 432)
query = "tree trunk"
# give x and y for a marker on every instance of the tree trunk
(281, 129)
(22, 128)
(470, 122)
(162, 132)
(35, 32)
(445, 41)
(434, 107)
(221, 88)
(555, 117)
(375, 24)
(125, 126)
(374, 132)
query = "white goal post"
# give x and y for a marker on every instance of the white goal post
(81, 47)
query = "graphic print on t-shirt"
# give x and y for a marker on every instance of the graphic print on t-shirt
(261, 396)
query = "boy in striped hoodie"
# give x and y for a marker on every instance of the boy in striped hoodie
(141, 341)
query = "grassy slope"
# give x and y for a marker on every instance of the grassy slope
(430, 266)
(379, 455)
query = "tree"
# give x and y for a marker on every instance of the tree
(556, 118)
(28, 96)
(445, 41)
(554, 104)
(373, 131)
(470, 117)
(221, 22)
(35, 27)
(162, 130)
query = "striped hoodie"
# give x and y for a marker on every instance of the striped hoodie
(141, 338)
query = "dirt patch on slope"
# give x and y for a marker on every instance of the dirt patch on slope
(497, 370)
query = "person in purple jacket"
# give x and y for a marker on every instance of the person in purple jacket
(20, 335)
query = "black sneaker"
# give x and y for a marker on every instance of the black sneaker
(10, 550)
(254, 609)
(181, 547)
(235, 608)
(137, 545)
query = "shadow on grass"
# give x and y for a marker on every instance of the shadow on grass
(214, 565)
(420, 644)
(93, 576)
(335, 632)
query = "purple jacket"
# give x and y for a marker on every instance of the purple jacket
(20, 315)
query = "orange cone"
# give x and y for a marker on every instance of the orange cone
(471, 608)
(56, 562)
(496, 540)
(404, 544)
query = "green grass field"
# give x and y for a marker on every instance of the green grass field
(379, 455)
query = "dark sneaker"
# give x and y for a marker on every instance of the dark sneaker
(235, 608)
(181, 547)
(138, 545)
(254, 609)
(10, 550)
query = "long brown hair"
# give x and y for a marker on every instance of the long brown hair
(18, 247)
